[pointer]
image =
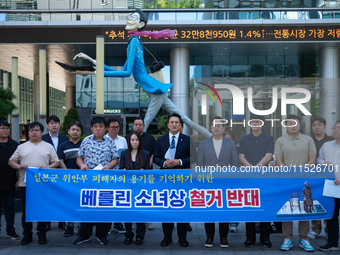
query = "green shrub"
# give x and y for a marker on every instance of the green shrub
(6, 103)
(70, 116)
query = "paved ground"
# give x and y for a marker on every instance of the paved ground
(59, 245)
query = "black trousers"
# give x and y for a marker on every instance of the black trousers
(265, 228)
(181, 231)
(28, 226)
(102, 229)
(333, 225)
(210, 229)
(140, 230)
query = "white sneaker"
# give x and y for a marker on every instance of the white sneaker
(150, 226)
(304, 244)
(233, 229)
(287, 244)
(312, 235)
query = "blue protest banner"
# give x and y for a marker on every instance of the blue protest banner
(172, 196)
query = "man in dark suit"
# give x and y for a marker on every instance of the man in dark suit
(181, 144)
(217, 151)
(55, 139)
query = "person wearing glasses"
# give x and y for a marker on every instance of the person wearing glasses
(8, 178)
(33, 153)
(330, 155)
(121, 145)
(113, 131)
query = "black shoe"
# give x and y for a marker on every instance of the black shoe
(189, 228)
(103, 241)
(224, 242)
(329, 247)
(81, 240)
(267, 244)
(68, 232)
(11, 234)
(75, 68)
(139, 241)
(128, 241)
(42, 239)
(183, 243)
(209, 243)
(26, 240)
(48, 226)
(119, 228)
(166, 242)
(276, 228)
(248, 243)
(273, 229)
(62, 225)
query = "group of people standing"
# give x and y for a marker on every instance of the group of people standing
(259, 149)
(139, 150)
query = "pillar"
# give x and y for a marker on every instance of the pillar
(195, 112)
(5, 86)
(100, 75)
(5, 81)
(70, 95)
(329, 82)
(36, 98)
(42, 88)
(179, 64)
(15, 120)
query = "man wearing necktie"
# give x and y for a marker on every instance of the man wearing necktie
(172, 151)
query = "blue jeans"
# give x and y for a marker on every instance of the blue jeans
(28, 226)
(7, 199)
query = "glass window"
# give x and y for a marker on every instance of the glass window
(131, 99)
(115, 100)
(275, 70)
(308, 66)
(63, 4)
(131, 110)
(232, 4)
(233, 15)
(292, 67)
(239, 66)
(257, 66)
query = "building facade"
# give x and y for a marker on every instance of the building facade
(259, 44)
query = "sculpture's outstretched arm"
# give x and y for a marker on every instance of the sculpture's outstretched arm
(128, 66)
